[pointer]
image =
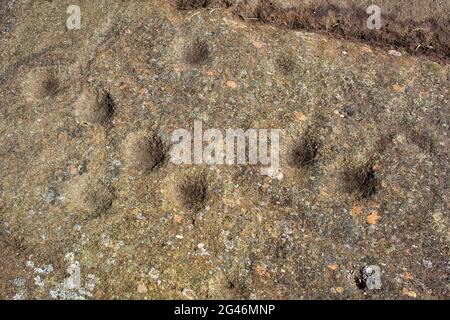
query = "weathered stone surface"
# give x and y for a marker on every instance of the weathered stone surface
(371, 187)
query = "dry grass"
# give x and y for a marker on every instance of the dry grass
(196, 53)
(286, 65)
(193, 194)
(51, 86)
(303, 154)
(191, 4)
(360, 181)
(108, 105)
(417, 33)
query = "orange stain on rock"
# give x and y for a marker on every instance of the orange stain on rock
(398, 88)
(373, 217)
(262, 271)
(142, 288)
(332, 266)
(299, 116)
(408, 276)
(257, 44)
(409, 293)
(232, 84)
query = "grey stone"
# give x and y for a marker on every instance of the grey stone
(371, 275)
(51, 196)
(19, 282)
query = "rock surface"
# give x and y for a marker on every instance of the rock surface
(364, 157)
